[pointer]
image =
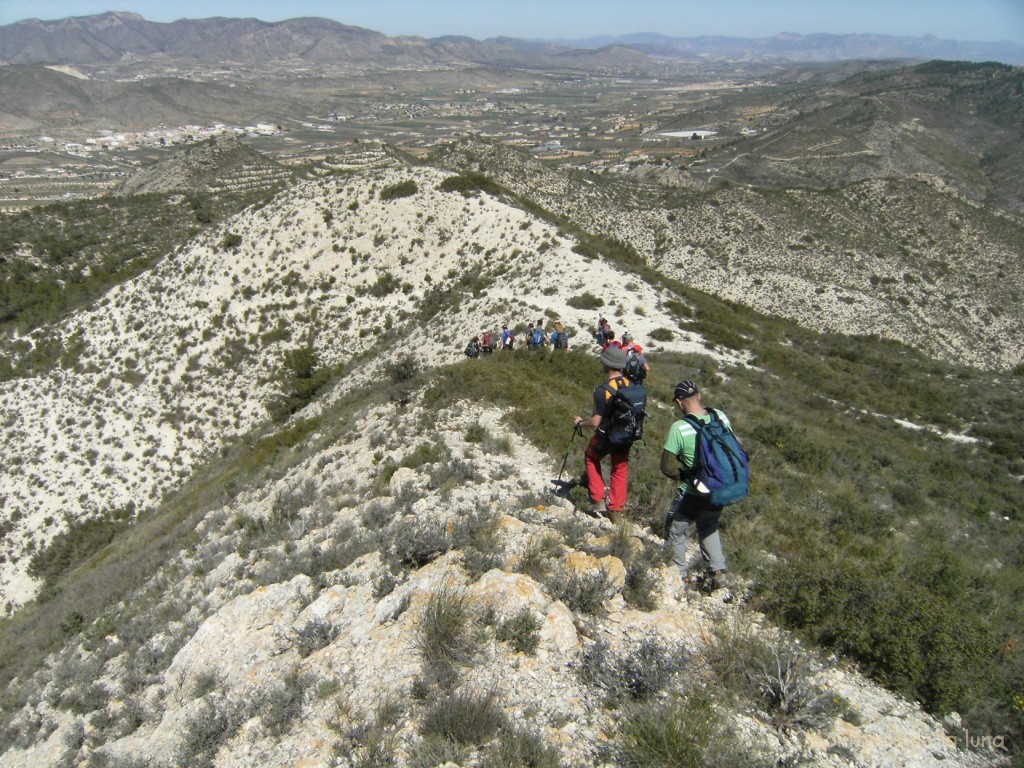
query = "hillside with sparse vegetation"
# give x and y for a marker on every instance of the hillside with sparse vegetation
(258, 507)
(907, 259)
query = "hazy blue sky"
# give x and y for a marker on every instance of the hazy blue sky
(977, 20)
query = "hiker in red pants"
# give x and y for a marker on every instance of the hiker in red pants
(613, 360)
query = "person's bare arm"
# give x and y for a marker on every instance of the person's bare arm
(592, 423)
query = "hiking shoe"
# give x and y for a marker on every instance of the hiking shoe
(694, 581)
(718, 580)
(598, 509)
(615, 516)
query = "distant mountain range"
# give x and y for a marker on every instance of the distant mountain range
(127, 38)
(115, 37)
(808, 48)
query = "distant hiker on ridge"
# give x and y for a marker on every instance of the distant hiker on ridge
(507, 338)
(560, 339)
(538, 336)
(637, 367)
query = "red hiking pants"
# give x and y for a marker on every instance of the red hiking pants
(596, 451)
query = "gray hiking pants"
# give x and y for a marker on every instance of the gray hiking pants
(687, 510)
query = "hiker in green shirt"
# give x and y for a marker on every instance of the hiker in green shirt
(690, 505)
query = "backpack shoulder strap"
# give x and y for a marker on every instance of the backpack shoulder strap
(607, 385)
(716, 416)
(693, 421)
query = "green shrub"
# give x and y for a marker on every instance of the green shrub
(289, 503)
(315, 634)
(402, 375)
(72, 742)
(470, 719)
(586, 250)
(282, 703)
(231, 241)
(521, 631)
(426, 453)
(377, 741)
(302, 378)
(84, 698)
(929, 648)
(475, 433)
(405, 188)
(775, 673)
(478, 530)
(413, 542)
(641, 587)
(469, 183)
(534, 561)
(585, 300)
(451, 474)
(688, 732)
(677, 308)
(385, 285)
(314, 559)
(477, 562)
(434, 750)
(80, 542)
(380, 512)
(516, 747)
(581, 592)
(642, 673)
(851, 513)
(573, 530)
(207, 682)
(205, 730)
(793, 442)
(445, 633)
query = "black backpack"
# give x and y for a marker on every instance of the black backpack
(623, 422)
(472, 349)
(634, 370)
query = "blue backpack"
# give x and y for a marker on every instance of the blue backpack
(538, 337)
(720, 463)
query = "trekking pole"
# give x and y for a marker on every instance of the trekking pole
(576, 430)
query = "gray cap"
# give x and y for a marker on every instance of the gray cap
(613, 358)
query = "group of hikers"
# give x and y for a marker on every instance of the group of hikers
(700, 454)
(537, 337)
